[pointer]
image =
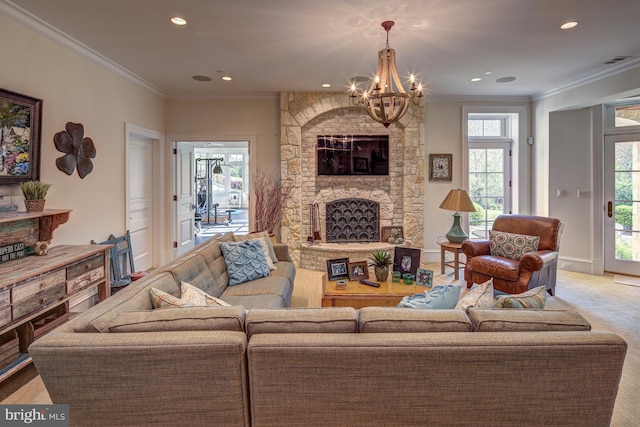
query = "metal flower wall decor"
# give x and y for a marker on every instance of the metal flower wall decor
(78, 148)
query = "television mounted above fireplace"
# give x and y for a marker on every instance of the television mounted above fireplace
(353, 154)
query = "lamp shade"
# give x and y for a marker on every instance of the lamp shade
(459, 201)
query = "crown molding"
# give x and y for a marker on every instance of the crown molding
(226, 95)
(33, 22)
(633, 63)
(477, 98)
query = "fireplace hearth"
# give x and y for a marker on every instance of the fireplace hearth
(352, 221)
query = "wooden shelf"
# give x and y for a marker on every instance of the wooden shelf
(14, 223)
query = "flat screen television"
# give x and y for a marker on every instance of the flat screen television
(353, 154)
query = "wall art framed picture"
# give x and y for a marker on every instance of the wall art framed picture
(358, 270)
(424, 277)
(20, 127)
(440, 167)
(406, 260)
(338, 268)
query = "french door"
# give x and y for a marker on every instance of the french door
(622, 204)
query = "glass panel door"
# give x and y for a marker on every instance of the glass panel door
(622, 204)
(489, 190)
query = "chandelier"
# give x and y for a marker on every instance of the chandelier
(386, 101)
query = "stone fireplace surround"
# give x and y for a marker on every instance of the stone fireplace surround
(400, 194)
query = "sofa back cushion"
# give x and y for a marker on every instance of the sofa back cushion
(193, 269)
(391, 319)
(303, 320)
(180, 319)
(133, 297)
(514, 320)
(212, 255)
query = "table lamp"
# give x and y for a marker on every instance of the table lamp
(459, 201)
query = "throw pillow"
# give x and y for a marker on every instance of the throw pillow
(533, 298)
(161, 299)
(479, 296)
(245, 261)
(190, 291)
(264, 236)
(512, 245)
(440, 297)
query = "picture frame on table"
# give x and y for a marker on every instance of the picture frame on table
(358, 270)
(21, 121)
(441, 167)
(338, 268)
(406, 260)
(424, 277)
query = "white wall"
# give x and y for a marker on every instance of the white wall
(76, 89)
(259, 116)
(569, 155)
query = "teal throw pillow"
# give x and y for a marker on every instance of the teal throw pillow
(440, 297)
(245, 261)
(512, 245)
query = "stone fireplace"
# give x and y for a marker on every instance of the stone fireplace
(352, 221)
(399, 196)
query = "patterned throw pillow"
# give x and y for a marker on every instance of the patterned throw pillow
(441, 297)
(190, 291)
(533, 298)
(245, 261)
(264, 236)
(479, 296)
(512, 245)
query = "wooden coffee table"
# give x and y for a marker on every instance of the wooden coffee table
(358, 295)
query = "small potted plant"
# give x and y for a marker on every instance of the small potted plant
(381, 262)
(34, 193)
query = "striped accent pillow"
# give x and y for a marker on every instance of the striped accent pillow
(533, 298)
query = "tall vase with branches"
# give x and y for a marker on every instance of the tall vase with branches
(271, 196)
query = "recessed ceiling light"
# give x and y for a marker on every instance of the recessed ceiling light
(569, 25)
(505, 79)
(202, 78)
(227, 78)
(179, 21)
(486, 73)
(476, 79)
(326, 85)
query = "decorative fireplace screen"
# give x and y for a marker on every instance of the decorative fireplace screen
(353, 220)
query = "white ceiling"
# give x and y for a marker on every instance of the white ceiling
(269, 46)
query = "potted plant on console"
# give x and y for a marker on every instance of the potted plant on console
(381, 262)
(34, 193)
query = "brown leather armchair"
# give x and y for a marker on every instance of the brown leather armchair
(516, 276)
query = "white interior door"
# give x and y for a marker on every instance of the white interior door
(622, 204)
(141, 193)
(185, 164)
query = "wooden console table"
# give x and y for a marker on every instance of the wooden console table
(35, 290)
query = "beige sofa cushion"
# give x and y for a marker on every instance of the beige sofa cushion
(515, 320)
(212, 255)
(193, 269)
(391, 319)
(180, 319)
(301, 320)
(133, 297)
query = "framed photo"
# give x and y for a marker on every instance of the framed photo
(393, 231)
(406, 260)
(424, 278)
(20, 127)
(358, 270)
(361, 164)
(440, 167)
(338, 268)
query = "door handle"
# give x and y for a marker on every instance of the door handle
(610, 209)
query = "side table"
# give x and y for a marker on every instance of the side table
(456, 249)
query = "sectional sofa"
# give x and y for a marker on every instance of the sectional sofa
(259, 363)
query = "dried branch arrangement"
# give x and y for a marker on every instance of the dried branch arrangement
(271, 197)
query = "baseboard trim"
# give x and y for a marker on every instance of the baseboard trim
(578, 265)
